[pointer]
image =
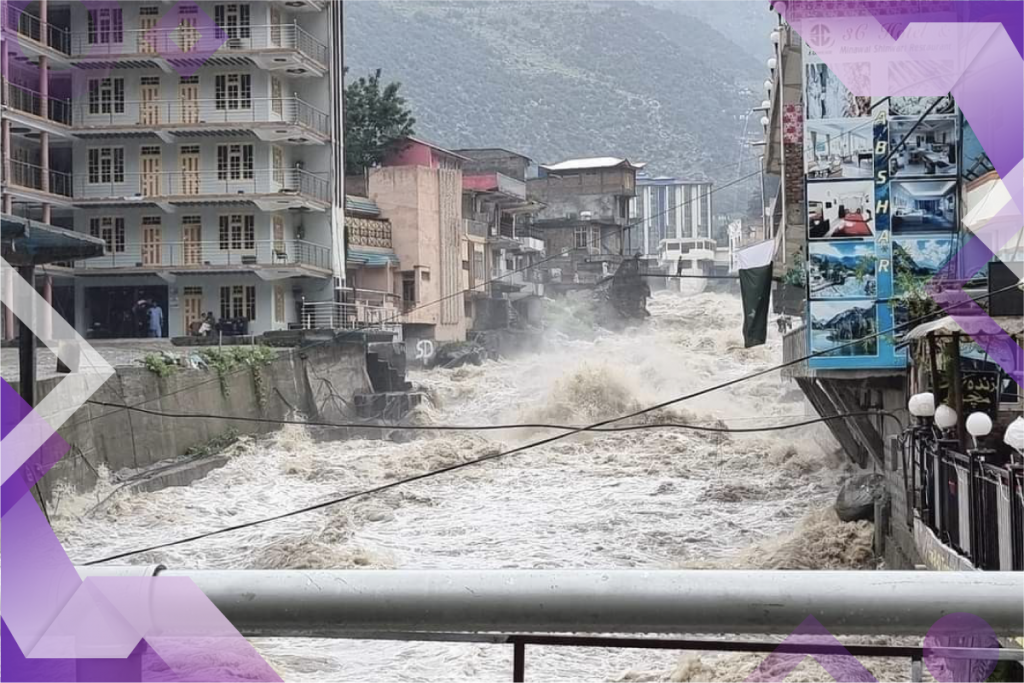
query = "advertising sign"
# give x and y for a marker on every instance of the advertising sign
(882, 213)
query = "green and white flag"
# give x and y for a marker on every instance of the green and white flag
(755, 265)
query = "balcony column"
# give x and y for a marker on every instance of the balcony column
(43, 17)
(44, 85)
(47, 214)
(44, 164)
(9, 286)
(4, 69)
(46, 324)
(5, 133)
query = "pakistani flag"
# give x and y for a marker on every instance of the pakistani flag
(755, 264)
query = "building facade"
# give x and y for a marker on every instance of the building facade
(585, 216)
(669, 208)
(419, 189)
(199, 140)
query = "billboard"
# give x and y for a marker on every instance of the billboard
(882, 212)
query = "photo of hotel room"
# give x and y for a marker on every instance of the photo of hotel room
(840, 209)
(923, 206)
(839, 149)
(930, 150)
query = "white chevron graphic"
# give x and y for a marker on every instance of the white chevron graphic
(68, 396)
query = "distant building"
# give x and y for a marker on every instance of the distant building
(585, 218)
(503, 244)
(669, 208)
(419, 189)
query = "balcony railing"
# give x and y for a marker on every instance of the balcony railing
(198, 113)
(31, 177)
(179, 41)
(31, 102)
(197, 184)
(369, 232)
(331, 315)
(200, 254)
(19, 21)
(973, 505)
(373, 297)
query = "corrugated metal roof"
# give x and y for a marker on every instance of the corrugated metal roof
(371, 259)
(363, 205)
(589, 163)
(981, 325)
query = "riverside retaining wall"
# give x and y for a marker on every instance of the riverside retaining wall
(300, 380)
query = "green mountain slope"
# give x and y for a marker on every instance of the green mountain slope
(563, 79)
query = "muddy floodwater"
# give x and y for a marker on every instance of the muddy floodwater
(642, 499)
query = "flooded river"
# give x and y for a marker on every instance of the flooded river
(644, 499)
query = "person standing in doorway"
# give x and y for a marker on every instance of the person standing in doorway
(156, 320)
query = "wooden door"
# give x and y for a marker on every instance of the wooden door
(189, 162)
(277, 160)
(151, 172)
(188, 99)
(149, 94)
(280, 251)
(191, 241)
(192, 307)
(152, 239)
(146, 37)
(275, 26)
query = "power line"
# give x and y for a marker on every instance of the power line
(538, 443)
(490, 427)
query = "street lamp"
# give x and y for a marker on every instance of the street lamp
(1014, 437)
(945, 417)
(978, 424)
(922, 405)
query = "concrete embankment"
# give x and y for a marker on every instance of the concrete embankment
(317, 381)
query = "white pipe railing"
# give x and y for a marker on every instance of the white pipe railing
(31, 176)
(339, 602)
(333, 315)
(184, 113)
(198, 254)
(238, 181)
(174, 42)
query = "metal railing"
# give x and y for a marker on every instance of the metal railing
(185, 113)
(373, 297)
(972, 504)
(181, 40)
(332, 315)
(31, 102)
(31, 177)
(16, 19)
(201, 254)
(369, 232)
(178, 184)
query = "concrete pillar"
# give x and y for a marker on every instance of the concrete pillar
(44, 85)
(5, 132)
(8, 313)
(44, 160)
(4, 69)
(46, 324)
(47, 214)
(7, 208)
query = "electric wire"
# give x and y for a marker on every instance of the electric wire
(534, 444)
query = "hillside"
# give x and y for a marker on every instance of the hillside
(562, 79)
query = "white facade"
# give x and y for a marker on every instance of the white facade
(667, 208)
(214, 187)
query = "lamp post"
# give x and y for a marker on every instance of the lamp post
(922, 408)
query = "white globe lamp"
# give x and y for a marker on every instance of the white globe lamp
(979, 424)
(1014, 437)
(922, 405)
(945, 417)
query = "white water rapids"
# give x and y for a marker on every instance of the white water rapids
(646, 499)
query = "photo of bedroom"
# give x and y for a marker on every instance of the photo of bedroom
(840, 209)
(828, 98)
(923, 206)
(930, 150)
(839, 149)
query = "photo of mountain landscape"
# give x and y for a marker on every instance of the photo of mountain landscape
(835, 324)
(842, 270)
(917, 260)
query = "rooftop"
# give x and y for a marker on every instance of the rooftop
(27, 242)
(361, 205)
(590, 163)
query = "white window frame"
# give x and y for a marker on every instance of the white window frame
(233, 92)
(110, 229)
(105, 165)
(235, 161)
(106, 96)
(236, 232)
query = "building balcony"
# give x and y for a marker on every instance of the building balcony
(273, 47)
(33, 183)
(332, 315)
(369, 232)
(29, 107)
(270, 119)
(283, 258)
(269, 189)
(33, 37)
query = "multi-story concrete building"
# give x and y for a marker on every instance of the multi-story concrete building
(503, 246)
(419, 189)
(200, 140)
(585, 216)
(669, 208)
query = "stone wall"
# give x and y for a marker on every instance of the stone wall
(122, 439)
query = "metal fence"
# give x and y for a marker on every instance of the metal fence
(972, 502)
(32, 177)
(109, 184)
(333, 315)
(17, 19)
(199, 254)
(31, 102)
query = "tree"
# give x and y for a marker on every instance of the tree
(374, 119)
